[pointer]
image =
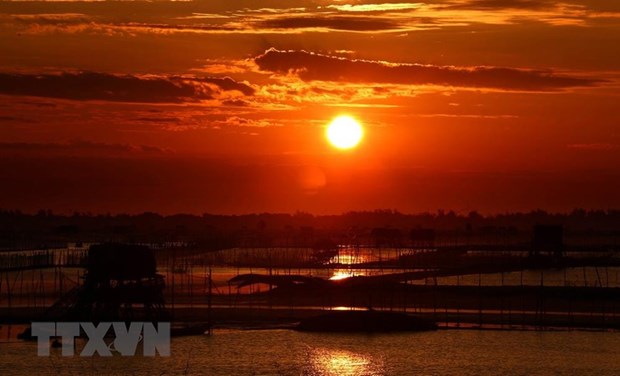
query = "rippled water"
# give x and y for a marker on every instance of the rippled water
(282, 352)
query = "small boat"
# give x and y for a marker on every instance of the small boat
(190, 330)
(26, 335)
(365, 321)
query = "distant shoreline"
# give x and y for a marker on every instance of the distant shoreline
(266, 318)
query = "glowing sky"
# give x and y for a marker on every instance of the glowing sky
(207, 106)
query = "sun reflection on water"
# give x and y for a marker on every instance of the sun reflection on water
(327, 362)
(341, 274)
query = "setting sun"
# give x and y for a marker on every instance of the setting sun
(344, 132)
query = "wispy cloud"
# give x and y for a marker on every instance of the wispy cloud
(354, 17)
(385, 7)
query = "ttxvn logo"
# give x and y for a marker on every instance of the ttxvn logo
(125, 341)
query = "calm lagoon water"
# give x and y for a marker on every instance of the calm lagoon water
(284, 352)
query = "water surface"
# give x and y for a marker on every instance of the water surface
(283, 352)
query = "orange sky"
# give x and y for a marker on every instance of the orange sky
(221, 107)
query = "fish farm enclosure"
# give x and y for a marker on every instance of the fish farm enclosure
(546, 278)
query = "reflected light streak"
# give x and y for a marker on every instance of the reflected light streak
(341, 362)
(339, 275)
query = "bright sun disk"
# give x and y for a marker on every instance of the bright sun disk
(344, 132)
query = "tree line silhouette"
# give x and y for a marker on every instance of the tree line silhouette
(46, 227)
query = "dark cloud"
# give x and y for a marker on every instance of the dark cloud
(594, 146)
(332, 22)
(13, 118)
(79, 147)
(310, 66)
(158, 119)
(52, 18)
(177, 27)
(503, 4)
(40, 104)
(236, 103)
(228, 83)
(120, 88)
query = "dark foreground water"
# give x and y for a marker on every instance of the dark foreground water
(283, 352)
